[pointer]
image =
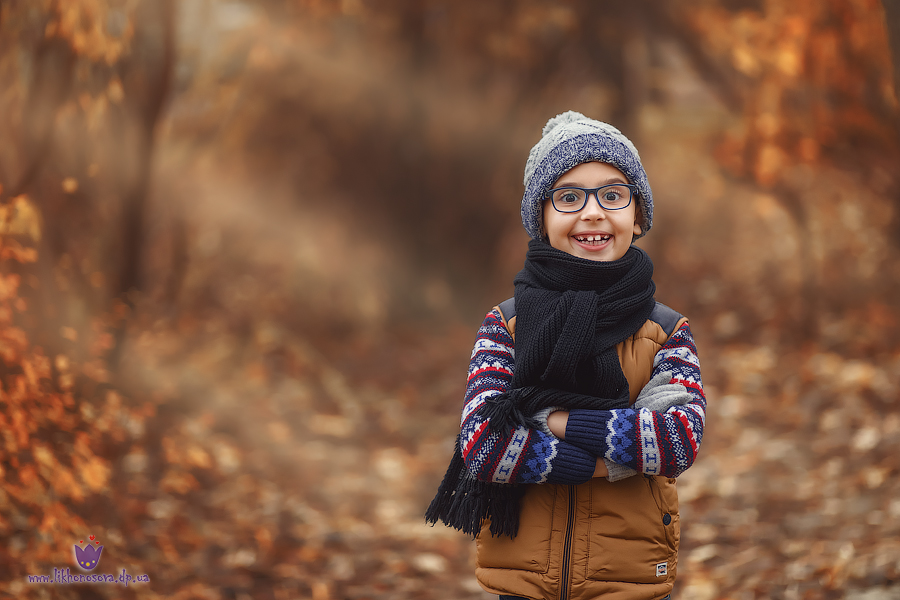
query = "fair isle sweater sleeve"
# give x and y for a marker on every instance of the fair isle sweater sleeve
(516, 456)
(654, 443)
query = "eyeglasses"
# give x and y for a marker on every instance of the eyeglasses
(615, 196)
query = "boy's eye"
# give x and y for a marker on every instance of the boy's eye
(616, 195)
(568, 197)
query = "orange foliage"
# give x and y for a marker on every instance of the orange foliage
(86, 25)
(35, 406)
(817, 77)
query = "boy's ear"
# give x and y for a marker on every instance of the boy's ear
(542, 228)
(638, 220)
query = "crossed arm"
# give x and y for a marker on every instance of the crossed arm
(660, 434)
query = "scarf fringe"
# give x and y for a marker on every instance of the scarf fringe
(464, 503)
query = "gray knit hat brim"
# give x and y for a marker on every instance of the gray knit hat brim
(571, 139)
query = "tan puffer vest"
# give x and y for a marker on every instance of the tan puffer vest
(598, 539)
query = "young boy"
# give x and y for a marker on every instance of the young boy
(584, 399)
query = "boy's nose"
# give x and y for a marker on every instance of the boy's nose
(592, 209)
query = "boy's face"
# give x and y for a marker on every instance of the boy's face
(612, 230)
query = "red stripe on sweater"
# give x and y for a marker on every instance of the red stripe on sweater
(497, 370)
(476, 435)
(692, 437)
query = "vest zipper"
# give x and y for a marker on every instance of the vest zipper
(567, 548)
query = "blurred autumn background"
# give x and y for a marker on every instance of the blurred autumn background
(245, 246)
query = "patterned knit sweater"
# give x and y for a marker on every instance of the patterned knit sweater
(649, 442)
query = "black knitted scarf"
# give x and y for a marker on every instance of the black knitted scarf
(570, 315)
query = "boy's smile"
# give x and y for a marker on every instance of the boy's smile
(593, 232)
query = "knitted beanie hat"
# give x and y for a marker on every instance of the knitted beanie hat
(568, 140)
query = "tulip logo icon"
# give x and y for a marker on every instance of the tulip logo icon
(89, 556)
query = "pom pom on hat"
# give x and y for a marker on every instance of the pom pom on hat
(570, 116)
(570, 139)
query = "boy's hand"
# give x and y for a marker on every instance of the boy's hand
(659, 395)
(557, 421)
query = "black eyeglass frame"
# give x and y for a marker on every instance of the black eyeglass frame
(596, 193)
